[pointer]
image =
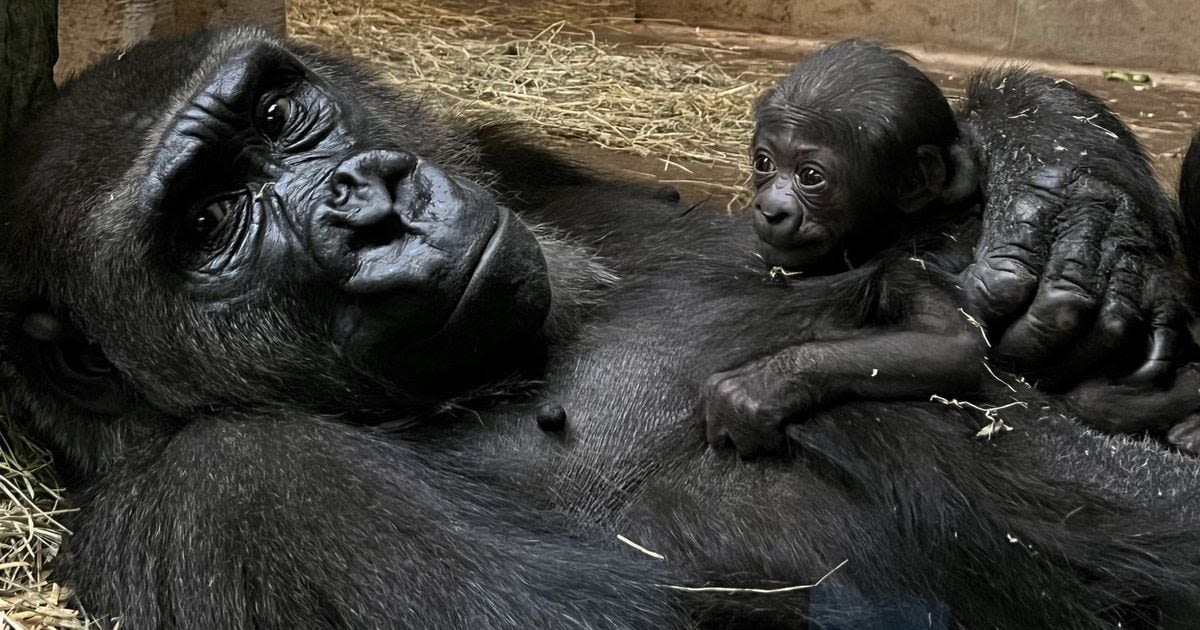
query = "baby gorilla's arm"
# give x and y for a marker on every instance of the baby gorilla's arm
(936, 351)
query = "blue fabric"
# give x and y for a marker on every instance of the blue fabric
(842, 607)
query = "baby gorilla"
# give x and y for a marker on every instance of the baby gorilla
(864, 179)
(855, 152)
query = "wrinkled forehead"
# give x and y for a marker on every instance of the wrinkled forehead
(203, 84)
(80, 167)
(788, 126)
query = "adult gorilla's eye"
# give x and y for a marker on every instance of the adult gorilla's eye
(274, 117)
(810, 177)
(764, 164)
(206, 221)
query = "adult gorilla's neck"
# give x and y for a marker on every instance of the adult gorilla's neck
(578, 278)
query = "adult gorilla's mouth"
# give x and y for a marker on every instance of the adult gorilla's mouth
(475, 281)
(424, 233)
(510, 267)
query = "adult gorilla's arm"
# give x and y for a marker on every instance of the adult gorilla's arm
(1081, 250)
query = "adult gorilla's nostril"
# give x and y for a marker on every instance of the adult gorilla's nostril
(371, 178)
(342, 185)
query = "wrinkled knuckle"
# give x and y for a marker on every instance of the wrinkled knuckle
(1012, 255)
(1051, 178)
(1066, 293)
(1003, 285)
(747, 406)
(713, 383)
(1061, 311)
(726, 388)
(1031, 207)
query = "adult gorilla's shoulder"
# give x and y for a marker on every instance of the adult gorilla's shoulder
(228, 260)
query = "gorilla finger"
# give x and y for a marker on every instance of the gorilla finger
(1170, 335)
(727, 406)
(716, 437)
(1075, 256)
(999, 286)
(716, 430)
(1165, 347)
(1185, 435)
(716, 426)
(1119, 318)
(1108, 334)
(1124, 408)
(1073, 264)
(1051, 323)
(1004, 275)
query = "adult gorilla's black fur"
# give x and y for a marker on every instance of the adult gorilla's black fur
(185, 259)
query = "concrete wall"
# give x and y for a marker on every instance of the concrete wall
(1160, 34)
(91, 28)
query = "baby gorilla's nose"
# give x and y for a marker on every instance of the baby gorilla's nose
(778, 216)
(775, 214)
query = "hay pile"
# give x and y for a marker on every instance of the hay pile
(563, 68)
(30, 536)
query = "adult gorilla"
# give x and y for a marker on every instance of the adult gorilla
(232, 263)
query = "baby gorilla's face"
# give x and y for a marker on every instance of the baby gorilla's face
(810, 199)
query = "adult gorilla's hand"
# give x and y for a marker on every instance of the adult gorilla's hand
(1081, 251)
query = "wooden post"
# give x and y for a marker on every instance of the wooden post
(28, 50)
(91, 28)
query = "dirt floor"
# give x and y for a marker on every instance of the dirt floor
(642, 99)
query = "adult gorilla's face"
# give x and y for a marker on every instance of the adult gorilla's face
(248, 221)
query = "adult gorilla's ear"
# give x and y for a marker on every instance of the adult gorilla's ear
(925, 181)
(76, 370)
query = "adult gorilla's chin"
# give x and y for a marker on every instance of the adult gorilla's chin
(501, 310)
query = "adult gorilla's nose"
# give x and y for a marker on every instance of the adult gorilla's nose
(389, 223)
(370, 189)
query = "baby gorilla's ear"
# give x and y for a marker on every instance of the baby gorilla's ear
(964, 180)
(925, 181)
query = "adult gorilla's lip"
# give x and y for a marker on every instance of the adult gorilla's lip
(407, 288)
(482, 262)
(507, 297)
(504, 301)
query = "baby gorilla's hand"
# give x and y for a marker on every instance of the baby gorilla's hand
(749, 406)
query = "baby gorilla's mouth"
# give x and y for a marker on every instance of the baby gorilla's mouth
(809, 259)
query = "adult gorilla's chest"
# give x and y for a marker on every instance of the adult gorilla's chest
(630, 386)
(903, 491)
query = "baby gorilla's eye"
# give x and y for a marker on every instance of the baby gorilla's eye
(810, 177)
(274, 117)
(206, 221)
(764, 164)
